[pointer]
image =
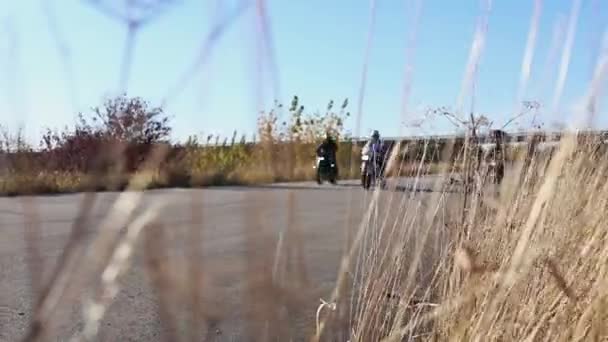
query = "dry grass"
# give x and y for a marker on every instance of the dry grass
(528, 263)
(193, 165)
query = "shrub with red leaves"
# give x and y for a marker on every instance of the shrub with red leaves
(121, 130)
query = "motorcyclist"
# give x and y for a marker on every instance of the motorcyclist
(328, 149)
(375, 151)
(372, 145)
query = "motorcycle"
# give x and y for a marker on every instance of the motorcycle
(495, 172)
(372, 170)
(326, 170)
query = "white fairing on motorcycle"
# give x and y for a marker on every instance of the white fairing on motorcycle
(365, 157)
(319, 159)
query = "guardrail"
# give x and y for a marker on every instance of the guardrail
(510, 138)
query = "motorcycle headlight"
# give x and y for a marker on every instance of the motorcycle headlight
(366, 157)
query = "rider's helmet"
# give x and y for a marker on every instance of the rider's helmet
(375, 135)
(329, 137)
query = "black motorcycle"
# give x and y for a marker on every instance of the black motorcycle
(326, 169)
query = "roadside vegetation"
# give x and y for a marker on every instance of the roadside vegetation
(103, 149)
(522, 261)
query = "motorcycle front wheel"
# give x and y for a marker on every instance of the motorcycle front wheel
(366, 182)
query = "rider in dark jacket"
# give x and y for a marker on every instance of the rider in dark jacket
(328, 149)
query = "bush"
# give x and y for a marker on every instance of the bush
(121, 129)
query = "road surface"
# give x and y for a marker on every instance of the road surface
(238, 230)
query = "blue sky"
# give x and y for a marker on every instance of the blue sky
(319, 48)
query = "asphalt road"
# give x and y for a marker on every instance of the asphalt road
(238, 228)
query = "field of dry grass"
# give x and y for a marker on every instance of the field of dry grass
(526, 265)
